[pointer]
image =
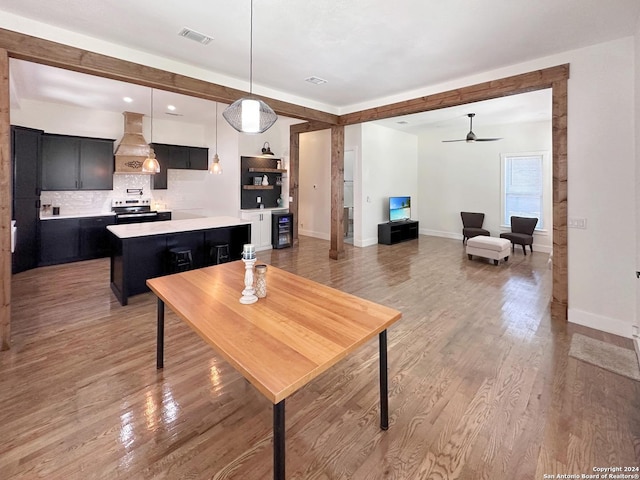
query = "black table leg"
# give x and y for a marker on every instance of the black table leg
(384, 389)
(278, 441)
(160, 340)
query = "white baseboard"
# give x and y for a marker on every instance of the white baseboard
(437, 233)
(311, 233)
(599, 322)
(366, 242)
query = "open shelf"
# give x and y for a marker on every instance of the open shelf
(266, 170)
(257, 187)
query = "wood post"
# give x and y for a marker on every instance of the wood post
(337, 193)
(5, 205)
(560, 294)
(294, 178)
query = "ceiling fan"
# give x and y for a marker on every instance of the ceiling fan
(471, 137)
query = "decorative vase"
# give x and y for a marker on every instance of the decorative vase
(265, 180)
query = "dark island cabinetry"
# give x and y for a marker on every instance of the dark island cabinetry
(136, 259)
(396, 232)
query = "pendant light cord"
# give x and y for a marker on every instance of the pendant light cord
(216, 128)
(251, 51)
(151, 115)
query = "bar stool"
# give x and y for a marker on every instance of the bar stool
(180, 259)
(220, 253)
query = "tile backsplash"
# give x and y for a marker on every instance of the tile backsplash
(80, 202)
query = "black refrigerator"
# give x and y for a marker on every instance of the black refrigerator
(25, 162)
(281, 230)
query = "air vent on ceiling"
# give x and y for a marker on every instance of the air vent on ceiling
(315, 80)
(402, 122)
(196, 36)
(174, 114)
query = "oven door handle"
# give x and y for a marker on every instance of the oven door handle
(136, 215)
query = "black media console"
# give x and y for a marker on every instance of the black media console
(396, 232)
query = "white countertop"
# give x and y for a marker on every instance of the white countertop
(145, 229)
(75, 215)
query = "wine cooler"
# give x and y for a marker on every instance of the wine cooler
(281, 230)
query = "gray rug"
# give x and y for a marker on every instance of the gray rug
(605, 355)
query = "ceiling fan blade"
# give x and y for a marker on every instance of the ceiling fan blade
(448, 141)
(487, 139)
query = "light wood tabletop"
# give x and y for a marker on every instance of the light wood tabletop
(283, 341)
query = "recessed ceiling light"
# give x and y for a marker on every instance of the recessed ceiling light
(171, 107)
(195, 36)
(315, 80)
(128, 99)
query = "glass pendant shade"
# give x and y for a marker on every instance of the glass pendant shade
(249, 115)
(215, 168)
(151, 164)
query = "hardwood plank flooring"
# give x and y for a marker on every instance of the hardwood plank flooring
(481, 385)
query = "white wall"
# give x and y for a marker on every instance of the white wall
(456, 177)
(389, 162)
(601, 188)
(314, 185)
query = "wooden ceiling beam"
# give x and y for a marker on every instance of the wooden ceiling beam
(526, 82)
(38, 50)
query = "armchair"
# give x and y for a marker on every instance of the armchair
(472, 225)
(521, 232)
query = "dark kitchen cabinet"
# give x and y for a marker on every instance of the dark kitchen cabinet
(59, 241)
(198, 158)
(25, 162)
(64, 240)
(177, 157)
(76, 163)
(95, 239)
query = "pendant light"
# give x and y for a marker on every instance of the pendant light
(215, 167)
(250, 115)
(151, 164)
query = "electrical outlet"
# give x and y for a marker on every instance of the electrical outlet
(577, 222)
(259, 199)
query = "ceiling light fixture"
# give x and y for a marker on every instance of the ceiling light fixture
(171, 107)
(250, 115)
(127, 99)
(215, 168)
(151, 164)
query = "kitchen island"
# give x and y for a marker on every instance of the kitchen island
(141, 250)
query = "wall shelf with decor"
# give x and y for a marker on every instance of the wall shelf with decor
(253, 194)
(267, 170)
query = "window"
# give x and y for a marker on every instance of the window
(522, 187)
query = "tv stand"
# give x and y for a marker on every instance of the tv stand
(396, 232)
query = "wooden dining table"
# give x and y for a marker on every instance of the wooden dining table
(281, 342)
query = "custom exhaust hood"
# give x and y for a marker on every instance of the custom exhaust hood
(133, 148)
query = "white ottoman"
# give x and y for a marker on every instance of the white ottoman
(489, 247)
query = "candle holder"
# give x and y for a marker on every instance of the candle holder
(249, 259)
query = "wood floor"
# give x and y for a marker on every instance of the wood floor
(481, 386)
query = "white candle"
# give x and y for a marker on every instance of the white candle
(249, 248)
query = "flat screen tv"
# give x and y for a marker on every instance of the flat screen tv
(399, 209)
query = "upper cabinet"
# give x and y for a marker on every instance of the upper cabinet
(76, 163)
(177, 157)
